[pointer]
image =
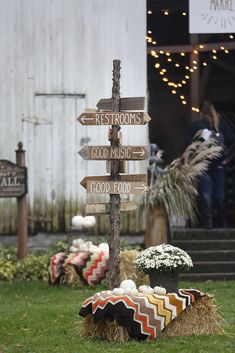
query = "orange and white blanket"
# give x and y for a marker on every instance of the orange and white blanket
(143, 315)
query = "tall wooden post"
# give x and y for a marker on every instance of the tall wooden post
(114, 217)
(195, 78)
(22, 224)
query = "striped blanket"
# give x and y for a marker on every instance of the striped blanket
(143, 315)
(91, 267)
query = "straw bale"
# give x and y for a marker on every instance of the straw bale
(201, 318)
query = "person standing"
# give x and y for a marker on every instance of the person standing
(211, 185)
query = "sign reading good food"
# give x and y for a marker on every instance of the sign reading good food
(211, 16)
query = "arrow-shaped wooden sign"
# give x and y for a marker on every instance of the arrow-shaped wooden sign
(116, 187)
(97, 208)
(128, 103)
(114, 118)
(125, 177)
(113, 152)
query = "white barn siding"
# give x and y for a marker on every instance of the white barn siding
(56, 60)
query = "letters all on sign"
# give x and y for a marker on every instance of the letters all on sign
(13, 179)
(211, 16)
(113, 152)
(114, 118)
(116, 187)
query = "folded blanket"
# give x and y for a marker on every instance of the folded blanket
(91, 267)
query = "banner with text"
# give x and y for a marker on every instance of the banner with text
(211, 16)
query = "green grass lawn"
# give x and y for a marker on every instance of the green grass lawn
(37, 318)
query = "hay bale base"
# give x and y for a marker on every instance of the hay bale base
(201, 318)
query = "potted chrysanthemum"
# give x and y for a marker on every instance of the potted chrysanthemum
(163, 263)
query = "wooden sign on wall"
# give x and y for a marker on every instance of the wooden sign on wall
(13, 179)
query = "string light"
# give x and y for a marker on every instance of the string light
(194, 67)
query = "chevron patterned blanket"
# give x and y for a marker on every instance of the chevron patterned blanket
(91, 267)
(143, 316)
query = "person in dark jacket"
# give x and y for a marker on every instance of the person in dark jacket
(211, 185)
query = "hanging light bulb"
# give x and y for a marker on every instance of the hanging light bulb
(173, 91)
(184, 13)
(182, 54)
(149, 12)
(157, 65)
(166, 12)
(149, 32)
(204, 63)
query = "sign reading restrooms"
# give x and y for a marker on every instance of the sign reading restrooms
(211, 16)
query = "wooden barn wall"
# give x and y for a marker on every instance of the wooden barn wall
(56, 60)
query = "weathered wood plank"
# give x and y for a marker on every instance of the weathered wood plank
(128, 103)
(114, 118)
(115, 152)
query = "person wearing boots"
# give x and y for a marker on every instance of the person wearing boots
(211, 185)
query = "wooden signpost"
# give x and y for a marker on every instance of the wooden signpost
(115, 154)
(13, 183)
(104, 208)
(110, 118)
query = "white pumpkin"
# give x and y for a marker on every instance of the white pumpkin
(83, 247)
(77, 242)
(128, 284)
(146, 289)
(118, 291)
(131, 291)
(78, 222)
(89, 221)
(73, 249)
(159, 290)
(94, 248)
(104, 246)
